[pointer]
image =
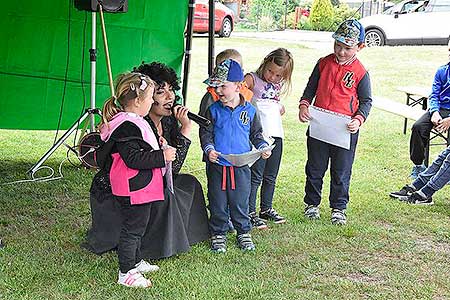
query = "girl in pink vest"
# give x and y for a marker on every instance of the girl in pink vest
(135, 162)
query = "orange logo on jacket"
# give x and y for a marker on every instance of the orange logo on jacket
(348, 79)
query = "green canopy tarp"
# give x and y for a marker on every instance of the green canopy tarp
(35, 57)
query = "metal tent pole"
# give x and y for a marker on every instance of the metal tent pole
(93, 60)
(211, 32)
(188, 47)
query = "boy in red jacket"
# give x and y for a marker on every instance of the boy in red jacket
(339, 83)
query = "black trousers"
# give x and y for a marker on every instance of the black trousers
(420, 136)
(265, 171)
(320, 155)
(135, 219)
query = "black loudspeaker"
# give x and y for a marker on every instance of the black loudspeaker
(111, 6)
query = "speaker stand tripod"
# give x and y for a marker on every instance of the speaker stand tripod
(92, 111)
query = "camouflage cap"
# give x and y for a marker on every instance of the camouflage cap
(350, 33)
(228, 70)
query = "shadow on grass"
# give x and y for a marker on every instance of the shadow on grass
(11, 170)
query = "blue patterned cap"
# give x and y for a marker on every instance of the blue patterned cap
(228, 70)
(350, 33)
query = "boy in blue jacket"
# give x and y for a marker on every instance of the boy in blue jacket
(234, 127)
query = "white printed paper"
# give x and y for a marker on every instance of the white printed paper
(168, 172)
(329, 127)
(247, 158)
(269, 113)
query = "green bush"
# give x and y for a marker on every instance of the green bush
(304, 23)
(245, 26)
(322, 15)
(290, 21)
(305, 4)
(275, 9)
(343, 12)
(266, 23)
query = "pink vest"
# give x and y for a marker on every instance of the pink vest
(150, 187)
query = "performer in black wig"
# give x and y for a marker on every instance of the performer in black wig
(180, 220)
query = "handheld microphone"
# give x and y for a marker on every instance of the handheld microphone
(201, 121)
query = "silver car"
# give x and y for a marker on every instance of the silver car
(410, 22)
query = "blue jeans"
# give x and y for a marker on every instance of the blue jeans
(227, 203)
(319, 154)
(436, 175)
(265, 171)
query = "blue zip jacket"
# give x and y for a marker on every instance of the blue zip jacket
(232, 131)
(440, 92)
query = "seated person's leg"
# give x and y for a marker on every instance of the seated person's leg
(430, 181)
(441, 177)
(420, 134)
(432, 170)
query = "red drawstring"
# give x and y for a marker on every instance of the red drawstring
(224, 178)
(233, 183)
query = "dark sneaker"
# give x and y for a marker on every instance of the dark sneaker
(256, 221)
(272, 215)
(245, 242)
(416, 198)
(219, 243)
(312, 212)
(416, 170)
(404, 193)
(338, 217)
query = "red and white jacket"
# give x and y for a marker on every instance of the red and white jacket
(342, 88)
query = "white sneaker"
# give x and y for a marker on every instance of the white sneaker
(146, 267)
(133, 279)
(312, 212)
(338, 217)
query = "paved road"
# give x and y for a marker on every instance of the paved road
(312, 39)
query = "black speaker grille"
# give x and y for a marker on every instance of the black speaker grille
(112, 5)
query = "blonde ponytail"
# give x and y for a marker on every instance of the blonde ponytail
(129, 86)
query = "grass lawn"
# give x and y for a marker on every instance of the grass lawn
(388, 250)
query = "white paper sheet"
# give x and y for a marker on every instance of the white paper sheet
(168, 172)
(329, 127)
(269, 112)
(247, 158)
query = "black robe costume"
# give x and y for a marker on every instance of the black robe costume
(176, 223)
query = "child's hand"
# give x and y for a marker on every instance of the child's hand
(353, 126)
(170, 153)
(213, 156)
(436, 118)
(303, 114)
(162, 142)
(444, 125)
(282, 109)
(266, 154)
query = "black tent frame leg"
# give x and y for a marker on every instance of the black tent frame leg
(63, 138)
(188, 44)
(211, 41)
(188, 48)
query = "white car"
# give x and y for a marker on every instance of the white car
(410, 22)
